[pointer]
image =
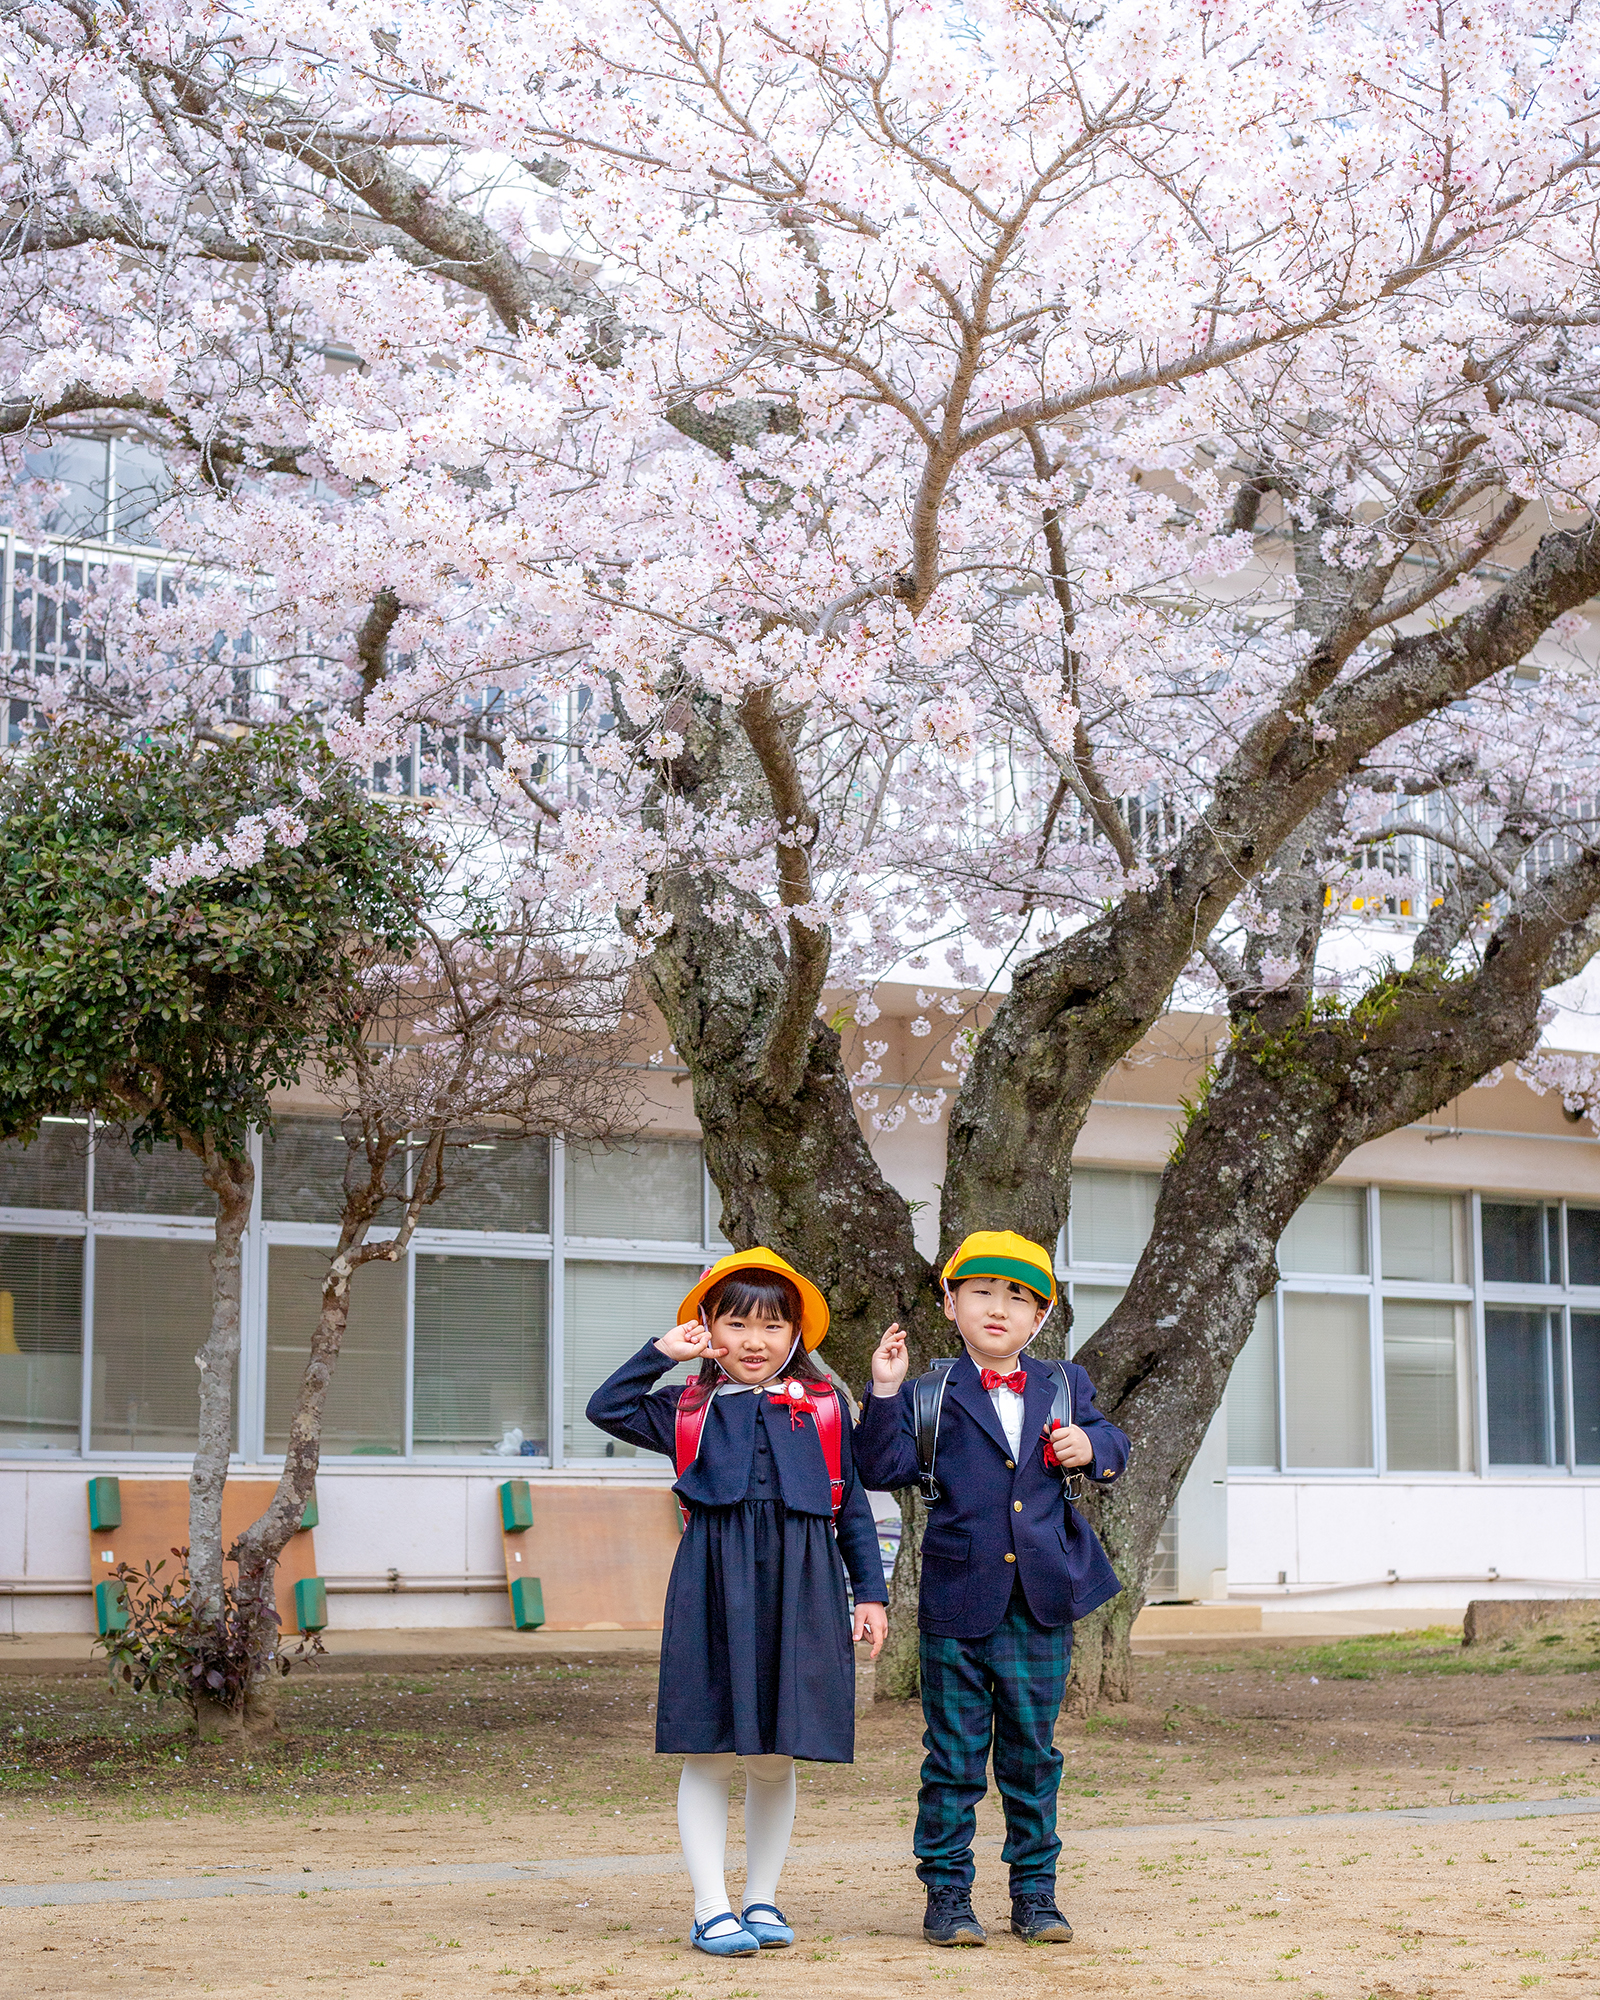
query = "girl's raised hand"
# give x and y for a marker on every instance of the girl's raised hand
(890, 1360)
(688, 1342)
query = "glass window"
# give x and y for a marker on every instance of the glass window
(480, 1349)
(1421, 1236)
(1253, 1396)
(41, 1341)
(302, 1170)
(1426, 1426)
(611, 1311)
(365, 1414)
(649, 1189)
(1586, 1388)
(1524, 1387)
(1327, 1234)
(49, 1171)
(303, 1163)
(495, 1184)
(1111, 1215)
(1327, 1365)
(165, 1182)
(1521, 1243)
(79, 467)
(1583, 1245)
(1092, 1306)
(142, 484)
(152, 1312)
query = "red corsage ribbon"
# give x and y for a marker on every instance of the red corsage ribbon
(794, 1398)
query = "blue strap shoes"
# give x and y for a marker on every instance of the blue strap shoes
(774, 1934)
(737, 1943)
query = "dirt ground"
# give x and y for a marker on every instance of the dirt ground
(553, 1762)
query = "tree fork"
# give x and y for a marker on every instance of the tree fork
(1289, 1101)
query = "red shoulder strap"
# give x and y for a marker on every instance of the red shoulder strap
(826, 1399)
(687, 1424)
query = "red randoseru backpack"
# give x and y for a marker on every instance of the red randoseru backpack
(821, 1398)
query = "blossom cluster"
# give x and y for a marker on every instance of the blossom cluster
(242, 847)
(995, 418)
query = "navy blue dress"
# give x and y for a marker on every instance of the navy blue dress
(755, 1646)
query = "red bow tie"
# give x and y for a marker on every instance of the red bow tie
(1016, 1381)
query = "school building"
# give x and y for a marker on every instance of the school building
(1416, 1420)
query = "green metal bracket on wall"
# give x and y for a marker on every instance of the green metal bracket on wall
(310, 1604)
(310, 1517)
(527, 1604)
(516, 1505)
(105, 1503)
(110, 1608)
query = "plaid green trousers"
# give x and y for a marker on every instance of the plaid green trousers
(1005, 1689)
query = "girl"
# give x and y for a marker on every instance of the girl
(755, 1647)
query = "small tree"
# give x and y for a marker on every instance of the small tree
(515, 1024)
(183, 930)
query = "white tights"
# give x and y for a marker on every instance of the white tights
(703, 1828)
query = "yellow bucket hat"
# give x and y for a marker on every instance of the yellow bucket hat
(813, 1306)
(1002, 1253)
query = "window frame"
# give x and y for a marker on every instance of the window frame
(1470, 1291)
(551, 1246)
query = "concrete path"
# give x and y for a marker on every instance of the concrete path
(227, 1881)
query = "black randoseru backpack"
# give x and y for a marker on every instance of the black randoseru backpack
(927, 1402)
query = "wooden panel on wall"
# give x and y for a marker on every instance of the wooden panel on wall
(602, 1555)
(155, 1521)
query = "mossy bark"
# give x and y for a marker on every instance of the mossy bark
(785, 1148)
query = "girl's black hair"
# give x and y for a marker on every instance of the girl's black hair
(751, 1294)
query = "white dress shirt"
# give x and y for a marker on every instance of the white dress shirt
(1008, 1408)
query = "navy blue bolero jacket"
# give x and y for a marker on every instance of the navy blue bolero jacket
(997, 1521)
(626, 1407)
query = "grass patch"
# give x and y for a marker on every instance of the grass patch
(456, 1739)
(1437, 1649)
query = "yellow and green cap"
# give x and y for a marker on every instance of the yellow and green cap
(1002, 1253)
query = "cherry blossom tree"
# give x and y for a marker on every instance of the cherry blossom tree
(1065, 507)
(501, 1025)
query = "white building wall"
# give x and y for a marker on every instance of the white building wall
(413, 1547)
(1359, 1544)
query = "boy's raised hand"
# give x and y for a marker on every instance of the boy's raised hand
(689, 1342)
(890, 1360)
(1071, 1446)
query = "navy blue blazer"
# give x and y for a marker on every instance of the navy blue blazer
(625, 1407)
(996, 1521)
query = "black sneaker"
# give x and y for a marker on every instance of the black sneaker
(950, 1920)
(1034, 1917)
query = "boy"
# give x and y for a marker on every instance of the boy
(1007, 1565)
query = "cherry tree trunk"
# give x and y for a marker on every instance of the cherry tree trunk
(265, 1539)
(1290, 1099)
